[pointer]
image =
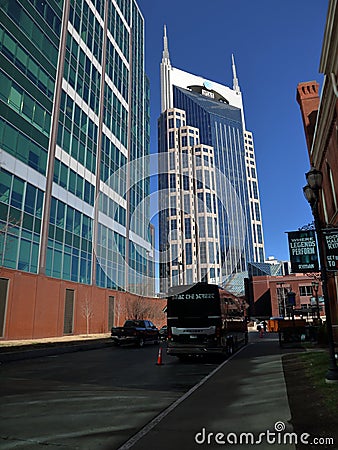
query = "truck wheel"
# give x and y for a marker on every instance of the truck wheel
(141, 342)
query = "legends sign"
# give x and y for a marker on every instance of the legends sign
(331, 248)
(303, 251)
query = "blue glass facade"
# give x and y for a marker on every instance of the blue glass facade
(29, 44)
(74, 112)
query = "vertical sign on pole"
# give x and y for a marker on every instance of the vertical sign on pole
(331, 248)
(303, 251)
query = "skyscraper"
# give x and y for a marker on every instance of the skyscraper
(74, 103)
(226, 216)
(188, 224)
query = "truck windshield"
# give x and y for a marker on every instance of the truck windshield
(134, 323)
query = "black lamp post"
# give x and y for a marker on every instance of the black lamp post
(311, 191)
(281, 299)
(180, 264)
(315, 287)
(292, 303)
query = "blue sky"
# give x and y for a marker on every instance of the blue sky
(276, 44)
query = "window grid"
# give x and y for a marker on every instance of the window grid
(20, 208)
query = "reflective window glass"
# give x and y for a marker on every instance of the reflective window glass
(30, 199)
(5, 186)
(17, 193)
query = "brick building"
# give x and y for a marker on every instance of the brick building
(319, 114)
(40, 306)
(269, 296)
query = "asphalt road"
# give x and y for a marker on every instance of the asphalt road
(246, 394)
(94, 399)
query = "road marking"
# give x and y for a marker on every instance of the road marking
(152, 424)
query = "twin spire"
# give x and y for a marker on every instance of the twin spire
(235, 85)
(165, 53)
(166, 59)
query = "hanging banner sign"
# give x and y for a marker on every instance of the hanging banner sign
(303, 251)
(331, 248)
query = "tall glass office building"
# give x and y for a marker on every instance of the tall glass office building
(216, 113)
(74, 104)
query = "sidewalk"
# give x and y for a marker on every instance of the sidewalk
(246, 394)
(30, 348)
(51, 340)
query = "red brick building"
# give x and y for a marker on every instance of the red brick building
(319, 114)
(40, 306)
(269, 296)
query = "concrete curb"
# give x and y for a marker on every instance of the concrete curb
(51, 349)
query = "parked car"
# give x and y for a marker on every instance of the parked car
(163, 332)
(138, 332)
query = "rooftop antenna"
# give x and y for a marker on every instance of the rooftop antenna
(165, 54)
(235, 79)
(166, 88)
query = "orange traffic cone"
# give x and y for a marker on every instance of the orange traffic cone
(159, 357)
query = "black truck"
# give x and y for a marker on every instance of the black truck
(200, 323)
(137, 332)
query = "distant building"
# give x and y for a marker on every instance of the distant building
(267, 296)
(202, 137)
(319, 114)
(74, 109)
(262, 271)
(271, 266)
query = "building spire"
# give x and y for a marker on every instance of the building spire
(235, 79)
(165, 54)
(166, 88)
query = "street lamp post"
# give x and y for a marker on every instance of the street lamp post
(292, 304)
(315, 287)
(281, 299)
(311, 191)
(180, 273)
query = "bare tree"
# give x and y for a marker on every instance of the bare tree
(4, 230)
(7, 225)
(119, 311)
(87, 312)
(156, 313)
(136, 309)
(139, 308)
